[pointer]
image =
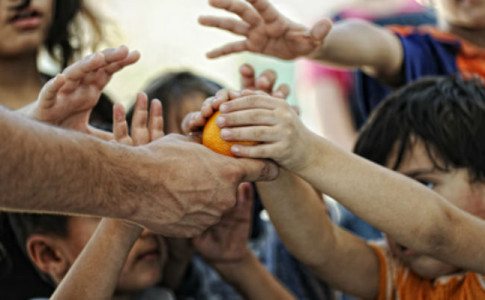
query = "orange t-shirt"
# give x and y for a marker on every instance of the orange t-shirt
(397, 282)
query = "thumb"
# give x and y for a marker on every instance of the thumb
(258, 169)
(320, 30)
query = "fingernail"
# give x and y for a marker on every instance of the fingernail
(225, 133)
(235, 149)
(223, 107)
(220, 121)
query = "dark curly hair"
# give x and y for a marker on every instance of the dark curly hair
(446, 113)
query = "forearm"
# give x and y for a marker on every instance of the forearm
(406, 210)
(289, 200)
(95, 273)
(53, 170)
(361, 44)
(252, 280)
(299, 215)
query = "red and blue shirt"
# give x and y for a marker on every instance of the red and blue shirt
(427, 52)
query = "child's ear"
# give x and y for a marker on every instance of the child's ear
(48, 256)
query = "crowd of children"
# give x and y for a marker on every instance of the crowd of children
(417, 173)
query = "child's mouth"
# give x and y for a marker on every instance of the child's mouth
(26, 19)
(153, 254)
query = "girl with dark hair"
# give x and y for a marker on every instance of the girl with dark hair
(26, 27)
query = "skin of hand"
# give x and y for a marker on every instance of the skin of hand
(83, 278)
(351, 43)
(265, 82)
(274, 124)
(226, 242)
(265, 30)
(68, 99)
(193, 207)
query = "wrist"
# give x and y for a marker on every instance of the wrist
(120, 231)
(310, 154)
(232, 270)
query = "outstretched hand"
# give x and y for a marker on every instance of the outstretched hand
(227, 240)
(265, 30)
(146, 126)
(68, 99)
(264, 83)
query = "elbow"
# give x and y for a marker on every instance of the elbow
(440, 236)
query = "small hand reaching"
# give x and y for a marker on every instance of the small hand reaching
(68, 99)
(265, 30)
(226, 242)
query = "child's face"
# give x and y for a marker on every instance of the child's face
(24, 31)
(454, 186)
(464, 13)
(144, 264)
(180, 108)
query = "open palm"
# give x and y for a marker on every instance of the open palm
(266, 31)
(67, 99)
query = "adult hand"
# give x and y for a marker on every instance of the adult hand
(265, 29)
(191, 186)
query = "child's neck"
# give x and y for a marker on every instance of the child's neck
(20, 81)
(474, 36)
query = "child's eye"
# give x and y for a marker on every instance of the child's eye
(427, 183)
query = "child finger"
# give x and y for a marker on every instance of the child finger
(240, 8)
(229, 48)
(192, 122)
(250, 117)
(114, 67)
(88, 64)
(155, 123)
(250, 102)
(261, 134)
(320, 30)
(120, 127)
(82, 70)
(266, 81)
(248, 80)
(47, 95)
(230, 24)
(266, 11)
(256, 151)
(115, 54)
(282, 91)
(139, 122)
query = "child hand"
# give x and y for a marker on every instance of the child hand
(265, 29)
(272, 123)
(265, 82)
(145, 126)
(67, 99)
(226, 242)
(194, 122)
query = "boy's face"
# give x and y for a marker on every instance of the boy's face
(464, 13)
(144, 264)
(453, 185)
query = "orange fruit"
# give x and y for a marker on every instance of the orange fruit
(211, 137)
